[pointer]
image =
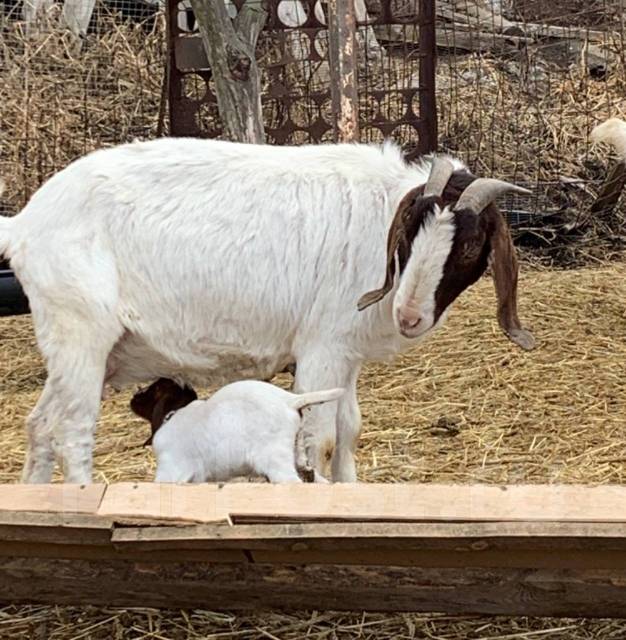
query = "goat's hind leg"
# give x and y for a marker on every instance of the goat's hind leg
(65, 418)
(39, 463)
(77, 383)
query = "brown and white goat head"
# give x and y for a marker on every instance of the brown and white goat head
(441, 240)
(161, 398)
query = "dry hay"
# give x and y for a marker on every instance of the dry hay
(59, 103)
(467, 407)
(526, 119)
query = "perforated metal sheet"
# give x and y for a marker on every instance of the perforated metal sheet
(292, 55)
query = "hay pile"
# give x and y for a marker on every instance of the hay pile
(466, 408)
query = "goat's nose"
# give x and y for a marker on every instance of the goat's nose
(408, 319)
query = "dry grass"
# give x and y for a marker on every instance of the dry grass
(553, 415)
(520, 116)
(59, 103)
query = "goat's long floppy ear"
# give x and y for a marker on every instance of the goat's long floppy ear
(396, 232)
(440, 173)
(479, 196)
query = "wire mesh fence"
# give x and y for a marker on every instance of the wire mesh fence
(520, 84)
(64, 93)
(296, 76)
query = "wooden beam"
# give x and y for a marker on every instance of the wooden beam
(343, 70)
(261, 502)
(232, 586)
(56, 498)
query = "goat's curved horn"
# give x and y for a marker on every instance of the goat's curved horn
(440, 172)
(483, 191)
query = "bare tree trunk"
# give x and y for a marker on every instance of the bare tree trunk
(230, 47)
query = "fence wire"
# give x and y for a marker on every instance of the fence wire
(520, 84)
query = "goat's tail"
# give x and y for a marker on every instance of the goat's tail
(302, 400)
(612, 131)
(5, 226)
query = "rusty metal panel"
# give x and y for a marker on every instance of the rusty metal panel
(394, 59)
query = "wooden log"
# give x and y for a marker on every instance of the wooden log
(239, 586)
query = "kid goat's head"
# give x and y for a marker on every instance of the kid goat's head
(158, 400)
(441, 239)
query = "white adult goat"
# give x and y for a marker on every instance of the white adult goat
(204, 260)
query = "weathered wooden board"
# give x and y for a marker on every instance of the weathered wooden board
(431, 502)
(130, 502)
(56, 498)
(257, 502)
(593, 592)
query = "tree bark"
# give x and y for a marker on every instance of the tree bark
(230, 47)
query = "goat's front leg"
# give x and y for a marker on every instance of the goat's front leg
(327, 434)
(348, 432)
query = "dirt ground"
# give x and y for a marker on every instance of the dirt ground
(552, 415)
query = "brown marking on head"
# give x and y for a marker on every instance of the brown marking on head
(480, 236)
(159, 399)
(409, 218)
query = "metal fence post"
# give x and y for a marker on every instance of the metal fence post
(428, 65)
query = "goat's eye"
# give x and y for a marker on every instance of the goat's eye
(328, 455)
(468, 250)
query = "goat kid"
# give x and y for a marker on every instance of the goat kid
(245, 428)
(162, 398)
(208, 261)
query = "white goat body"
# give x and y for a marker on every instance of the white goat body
(204, 257)
(245, 428)
(213, 261)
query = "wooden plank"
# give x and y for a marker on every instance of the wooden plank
(58, 528)
(517, 550)
(516, 544)
(257, 502)
(137, 502)
(105, 551)
(376, 535)
(60, 498)
(431, 502)
(547, 592)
